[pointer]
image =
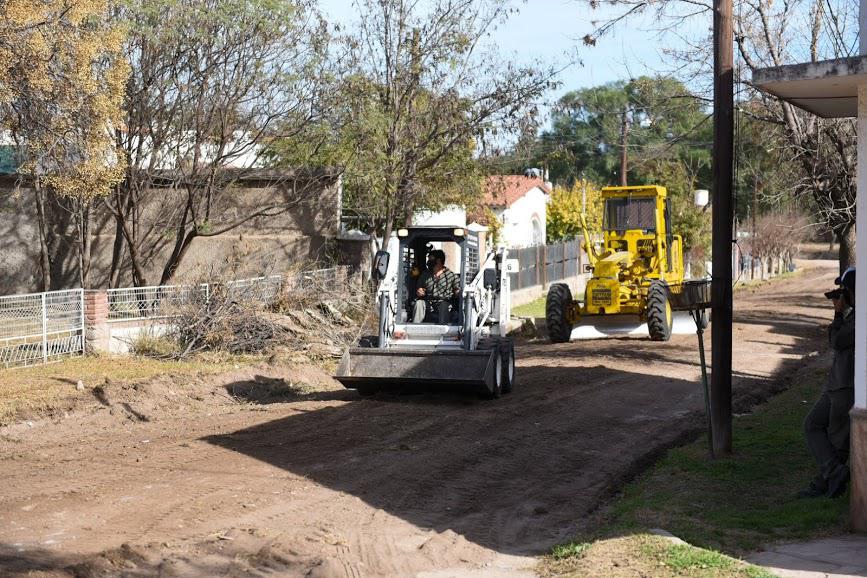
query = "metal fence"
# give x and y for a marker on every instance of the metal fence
(44, 327)
(41, 327)
(546, 264)
(135, 303)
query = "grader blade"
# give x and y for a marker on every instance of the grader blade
(602, 326)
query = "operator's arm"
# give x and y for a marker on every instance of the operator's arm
(455, 284)
(423, 285)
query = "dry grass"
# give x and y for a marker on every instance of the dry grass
(46, 390)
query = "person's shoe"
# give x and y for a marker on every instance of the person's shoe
(838, 481)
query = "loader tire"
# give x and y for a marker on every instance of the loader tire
(369, 341)
(507, 353)
(557, 313)
(659, 315)
(496, 346)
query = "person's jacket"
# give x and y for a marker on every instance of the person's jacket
(841, 335)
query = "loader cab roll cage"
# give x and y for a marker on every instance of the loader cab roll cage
(414, 246)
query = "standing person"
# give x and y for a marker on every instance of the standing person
(827, 425)
(436, 288)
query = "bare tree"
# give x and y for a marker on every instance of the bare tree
(769, 34)
(213, 83)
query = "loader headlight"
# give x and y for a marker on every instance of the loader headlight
(402, 233)
(458, 232)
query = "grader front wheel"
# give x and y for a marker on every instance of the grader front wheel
(660, 318)
(557, 313)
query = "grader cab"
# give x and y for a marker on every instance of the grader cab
(639, 260)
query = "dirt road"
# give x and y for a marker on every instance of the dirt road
(175, 479)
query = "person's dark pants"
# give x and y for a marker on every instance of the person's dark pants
(439, 308)
(827, 431)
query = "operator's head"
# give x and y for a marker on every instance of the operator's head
(436, 259)
(846, 281)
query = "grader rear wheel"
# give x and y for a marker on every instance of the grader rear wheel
(659, 315)
(557, 313)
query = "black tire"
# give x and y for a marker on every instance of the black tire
(507, 353)
(369, 341)
(497, 386)
(493, 344)
(557, 306)
(660, 318)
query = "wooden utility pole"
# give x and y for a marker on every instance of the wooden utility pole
(723, 139)
(624, 136)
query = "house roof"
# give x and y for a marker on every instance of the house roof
(504, 190)
(828, 89)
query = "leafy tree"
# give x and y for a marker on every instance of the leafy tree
(61, 91)
(421, 104)
(654, 117)
(565, 209)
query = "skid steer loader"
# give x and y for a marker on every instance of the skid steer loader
(629, 287)
(461, 341)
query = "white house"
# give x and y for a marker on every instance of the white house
(835, 89)
(521, 205)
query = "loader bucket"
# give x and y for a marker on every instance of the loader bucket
(371, 369)
(600, 326)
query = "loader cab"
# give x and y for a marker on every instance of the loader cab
(461, 249)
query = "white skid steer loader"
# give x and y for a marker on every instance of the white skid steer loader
(459, 341)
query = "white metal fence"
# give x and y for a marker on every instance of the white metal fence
(45, 327)
(41, 327)
(135, 303)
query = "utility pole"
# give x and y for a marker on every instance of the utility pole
(755, 213)
(624, 135)
(723, 139)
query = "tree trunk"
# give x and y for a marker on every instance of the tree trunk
(44, 259)
(116, 252)
(846, 239)
(85, 242)
(177, 256)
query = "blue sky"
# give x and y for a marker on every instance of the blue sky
(552, 29)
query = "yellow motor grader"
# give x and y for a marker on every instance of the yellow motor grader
(639, 260)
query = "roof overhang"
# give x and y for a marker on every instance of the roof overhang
(828, 88)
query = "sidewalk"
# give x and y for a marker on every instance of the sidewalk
(840, 557)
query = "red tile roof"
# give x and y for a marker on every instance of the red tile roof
(503, 190)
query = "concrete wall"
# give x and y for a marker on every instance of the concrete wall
(306, 232)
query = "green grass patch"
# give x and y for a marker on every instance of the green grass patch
(571, 550)
(533, 309)
(733, 505)
(647, 555)
(536, 309)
